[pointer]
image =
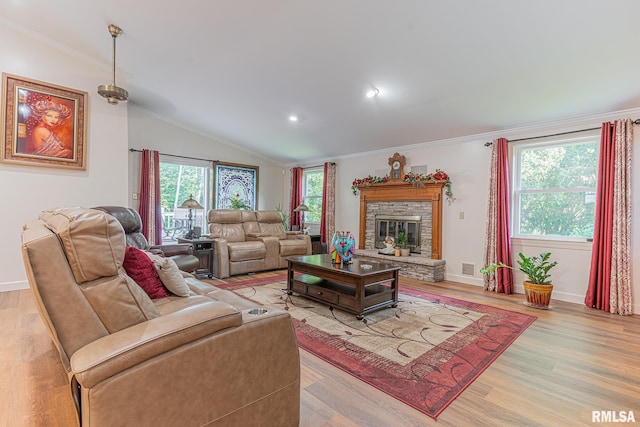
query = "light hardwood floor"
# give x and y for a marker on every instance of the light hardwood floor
(570, 362)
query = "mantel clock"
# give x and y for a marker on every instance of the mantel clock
(397, 163)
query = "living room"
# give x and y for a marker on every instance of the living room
(112, 173)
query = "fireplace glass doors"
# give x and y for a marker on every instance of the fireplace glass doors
(392, 226)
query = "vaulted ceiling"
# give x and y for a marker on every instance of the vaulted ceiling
(237, 69)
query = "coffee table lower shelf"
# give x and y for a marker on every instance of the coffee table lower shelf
(377, 295)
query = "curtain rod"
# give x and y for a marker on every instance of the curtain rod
(207, 160)
(318, 166)
(489, 144)
(175, 155)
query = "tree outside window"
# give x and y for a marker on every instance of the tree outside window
(554, 188)
(178, 182)
(312, 181)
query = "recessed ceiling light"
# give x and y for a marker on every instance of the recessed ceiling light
(372, 92)
(293, 118)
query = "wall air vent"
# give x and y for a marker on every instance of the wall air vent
(419, 169)
(468, 269)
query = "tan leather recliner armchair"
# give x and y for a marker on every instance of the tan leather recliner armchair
(181, 253)
(199, 360)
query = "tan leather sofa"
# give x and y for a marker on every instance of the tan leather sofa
(249, 241)
(203, 359)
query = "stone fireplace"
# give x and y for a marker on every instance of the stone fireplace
(389, 207)
(403, 199)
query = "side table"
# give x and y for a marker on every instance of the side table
(203, 248)
(316, 244)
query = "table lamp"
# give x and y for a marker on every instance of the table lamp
(190, 204)
(302, 208)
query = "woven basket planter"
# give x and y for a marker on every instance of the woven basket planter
(537, 296)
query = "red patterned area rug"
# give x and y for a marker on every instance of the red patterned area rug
(424, 352)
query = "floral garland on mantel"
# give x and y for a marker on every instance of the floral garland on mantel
(417, 179)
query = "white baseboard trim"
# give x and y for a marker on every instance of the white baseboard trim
(467, 280)
(14, 286)
(519, 289)
(558, 295)
(570, 297)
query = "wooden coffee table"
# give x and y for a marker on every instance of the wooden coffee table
(357, 288)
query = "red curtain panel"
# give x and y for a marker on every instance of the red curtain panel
(149, 206)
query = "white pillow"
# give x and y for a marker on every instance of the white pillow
(170, 276)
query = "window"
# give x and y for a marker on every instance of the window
(554, 187)
(178, 182)
(312, 183)
(181, 178)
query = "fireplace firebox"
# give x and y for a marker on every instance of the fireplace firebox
(393, 225)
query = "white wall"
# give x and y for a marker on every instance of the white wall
(466, 160)
(147, 131)
(27, 190)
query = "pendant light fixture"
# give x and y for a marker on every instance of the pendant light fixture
(112, 92)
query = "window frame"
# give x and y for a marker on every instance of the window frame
(516, 150)
(205, 200)
(305, 197)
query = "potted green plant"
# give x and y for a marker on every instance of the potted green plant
(537, 287)
(285, 217)
(402, 244)
(237, 203)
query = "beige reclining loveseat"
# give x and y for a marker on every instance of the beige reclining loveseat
(210, 358)
(249, 241)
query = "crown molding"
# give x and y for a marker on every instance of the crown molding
(565, 125)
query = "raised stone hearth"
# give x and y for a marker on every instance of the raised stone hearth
(414, 266)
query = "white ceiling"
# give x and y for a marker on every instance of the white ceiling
(236, 69)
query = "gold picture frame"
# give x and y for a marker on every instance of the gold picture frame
(43, 124)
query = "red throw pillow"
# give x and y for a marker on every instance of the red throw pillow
(140, 268)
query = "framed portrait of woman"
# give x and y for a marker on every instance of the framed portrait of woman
(43, 124)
